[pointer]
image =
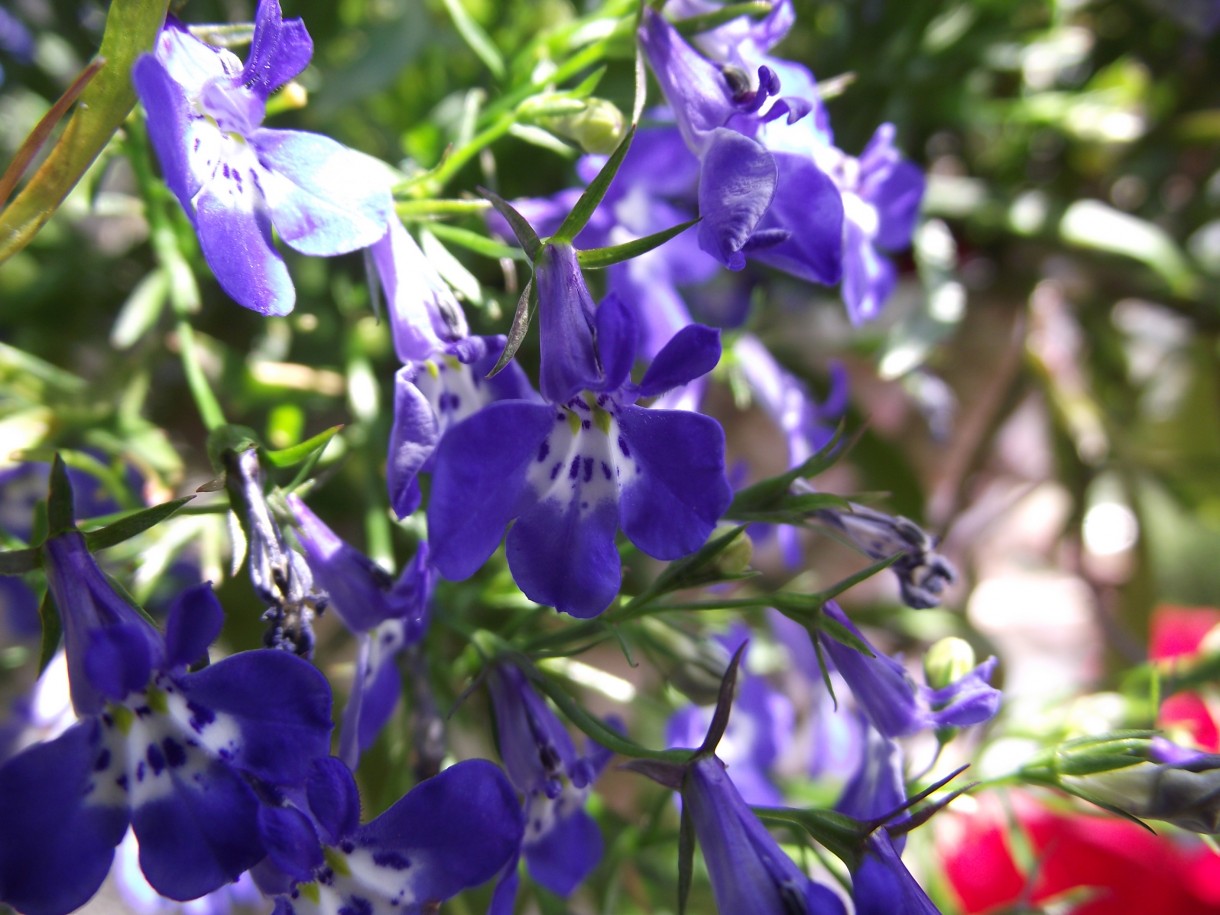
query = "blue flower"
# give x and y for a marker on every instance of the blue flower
(451, 832)
(882, 885)
(176, 755)
(562, 843)
(235, 178)
(571, 473)
(752, 199)
(893, 702)
(385, 615)
(435, 392)
(749, 872)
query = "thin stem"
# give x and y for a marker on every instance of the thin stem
(205, 401)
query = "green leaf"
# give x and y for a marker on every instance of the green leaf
(771, 494)
(474, 36)
(583, 211)
(131, 28)
(526, 236)
(693, 569)
(230, 439)
(520, 326)
(852, 580)
(133, 524)
(289, 457)
(473, 241)
(597, 258)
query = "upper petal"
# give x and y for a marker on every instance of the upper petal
(737, 182)
(279, 49)
(809, 206)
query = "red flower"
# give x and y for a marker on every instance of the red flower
(1177, 633)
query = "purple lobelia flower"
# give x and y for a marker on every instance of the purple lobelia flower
(752, 199)
(237, 179)
(571, 472)
(385, 615)
(922, 572)
(179, 756)
(450, 832)
(893, 702)
(748, 870)
(881, 884)
(432, 393)
(562, 843)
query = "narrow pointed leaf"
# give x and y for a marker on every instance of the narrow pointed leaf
(478, 41)
(473, 241)
(52, 630)
(287, 457)
(867, 572)
(526, 236)
(724, 703)
(135, 523)
(597, 258)
(686, 858)
(583, 211)
(693, 569)
(516, 333)
(18, 562)
(60, 513)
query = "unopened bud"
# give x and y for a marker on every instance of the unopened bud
(947, 661)
(597, 127)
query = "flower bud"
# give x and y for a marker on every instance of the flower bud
(597, 126)
(947, 661)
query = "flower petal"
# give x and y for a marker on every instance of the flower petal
(194, 622)
(737, 182)
(479, 478)
(56, 842)
(809, 206)
(564, 556)
(279, 49)
(235, 236)
(678, 491)
(566, 854)
(413, 438)
(324, 198)
(691, 353)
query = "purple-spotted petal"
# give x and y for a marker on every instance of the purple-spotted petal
(691, 353)
(194, 622)
(478, 482)
(235, 236)
(562, 554)
(56, 841)
(678, 490)
(453, 831)
(200, 832)
(280, 705)
(324, 198)
(737, 182)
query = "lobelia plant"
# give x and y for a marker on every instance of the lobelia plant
(553, 548)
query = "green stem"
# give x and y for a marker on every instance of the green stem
(205, 401)
(415, 209)
(434, 181)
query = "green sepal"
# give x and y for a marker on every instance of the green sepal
(291, 456)
(583, 211)
(841, 835)
(131, 525)
(772, 493)
(597, 258)
(526, 236)
(473, 241)
(52, 630)
(61, 515)
(18, 562)
(692, 570)
(526, 305)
